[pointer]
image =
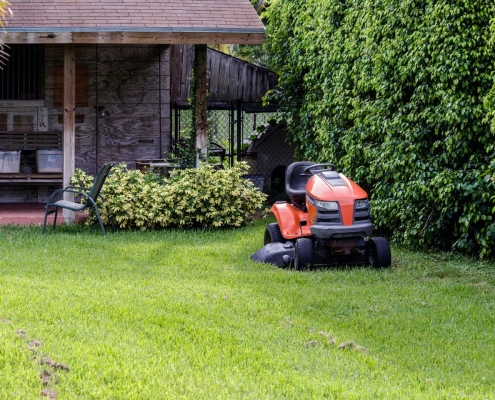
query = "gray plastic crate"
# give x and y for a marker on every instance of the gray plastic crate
(10, 162)
(49, 160)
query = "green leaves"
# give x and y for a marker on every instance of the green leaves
(398, 93)
(190, 198)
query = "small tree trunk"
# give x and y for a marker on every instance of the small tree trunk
(201, 117)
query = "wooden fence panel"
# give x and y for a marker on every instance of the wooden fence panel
(229, 78)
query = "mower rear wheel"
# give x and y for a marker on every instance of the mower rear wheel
(303, 254)
(379, 255)
(273, 234)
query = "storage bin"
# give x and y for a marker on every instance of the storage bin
(49, 160)
(10, 162)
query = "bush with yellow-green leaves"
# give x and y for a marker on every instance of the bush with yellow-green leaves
(190, 198)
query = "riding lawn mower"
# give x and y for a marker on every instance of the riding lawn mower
(326, 222)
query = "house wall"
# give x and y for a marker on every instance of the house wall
(122, 108)
(133, 84)
(130, 87)
(85, 99)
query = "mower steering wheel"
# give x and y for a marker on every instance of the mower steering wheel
(321, 167)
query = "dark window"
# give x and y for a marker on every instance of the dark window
(23, 75)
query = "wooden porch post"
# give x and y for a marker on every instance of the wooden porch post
(200, 53)
(69, 123)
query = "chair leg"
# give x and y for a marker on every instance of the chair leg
(46, 216)
(111, 222)
(55, 219)
(99, 220)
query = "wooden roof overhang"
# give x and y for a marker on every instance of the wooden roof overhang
(132, 36)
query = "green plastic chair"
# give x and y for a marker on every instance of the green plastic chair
(89, 194)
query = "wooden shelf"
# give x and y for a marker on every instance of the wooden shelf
(31, 178)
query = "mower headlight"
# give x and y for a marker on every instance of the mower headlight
(359, 204)
(329, 205)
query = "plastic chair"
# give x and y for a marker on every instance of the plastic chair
(89, 194)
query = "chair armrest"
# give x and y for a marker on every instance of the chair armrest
(78, 188)
(68, 189)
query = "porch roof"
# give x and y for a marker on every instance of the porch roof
(125, 21)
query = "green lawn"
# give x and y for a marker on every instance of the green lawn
(172, 314)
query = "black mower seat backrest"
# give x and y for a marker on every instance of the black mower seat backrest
(295, 184)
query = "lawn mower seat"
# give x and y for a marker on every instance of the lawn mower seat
(295, 184)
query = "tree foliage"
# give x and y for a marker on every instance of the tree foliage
(5, 12)
(254, 54)
(395, 92)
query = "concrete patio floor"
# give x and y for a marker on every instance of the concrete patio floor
(29, 214)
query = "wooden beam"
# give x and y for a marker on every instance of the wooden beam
(168, 37)
(69, 123)
(36, 37)
(133, 37)
(201, 117)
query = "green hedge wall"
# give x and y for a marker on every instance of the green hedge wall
(397, 92)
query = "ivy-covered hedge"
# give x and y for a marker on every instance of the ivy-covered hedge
(396, 93)
(490, 99)
(190, 198)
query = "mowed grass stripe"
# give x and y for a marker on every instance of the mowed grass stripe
(186, 314)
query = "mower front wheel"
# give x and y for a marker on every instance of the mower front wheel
(303, 254)
(273, 234)
(379, 255)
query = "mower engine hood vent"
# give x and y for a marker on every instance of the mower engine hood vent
(333, 178)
